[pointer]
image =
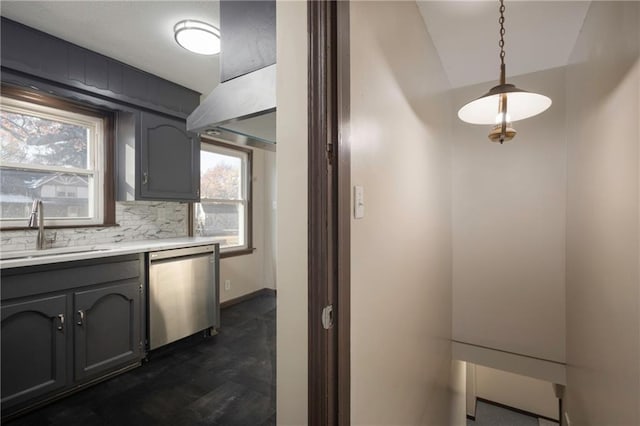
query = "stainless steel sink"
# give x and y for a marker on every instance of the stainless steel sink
(25, 254)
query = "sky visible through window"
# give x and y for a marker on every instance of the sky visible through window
(220, 176)
(48, 154)
(222, 210)
(34, 140)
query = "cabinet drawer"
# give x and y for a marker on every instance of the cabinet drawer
(29, 281)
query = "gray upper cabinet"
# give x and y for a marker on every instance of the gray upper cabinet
(34, 351)
(107, 328)
(170, 160)
(157, 159)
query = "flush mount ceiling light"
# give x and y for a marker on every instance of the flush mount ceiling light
(504, 103)
(198, 37)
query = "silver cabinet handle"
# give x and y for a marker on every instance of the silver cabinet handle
(80, 317)
(61, 322)
(145, 178)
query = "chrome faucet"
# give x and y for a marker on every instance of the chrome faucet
(36, 219)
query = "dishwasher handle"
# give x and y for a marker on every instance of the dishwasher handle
(182, 252)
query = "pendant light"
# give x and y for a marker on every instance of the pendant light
(504, 103)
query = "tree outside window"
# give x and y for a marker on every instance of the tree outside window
(54, 155)
(224, 208)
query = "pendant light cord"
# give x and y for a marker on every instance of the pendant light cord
(501, 43)
(503, 78)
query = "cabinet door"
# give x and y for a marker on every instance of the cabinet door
(169, 160)
(33, 348)
(107, 323)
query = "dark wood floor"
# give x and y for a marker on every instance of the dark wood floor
(229, 379)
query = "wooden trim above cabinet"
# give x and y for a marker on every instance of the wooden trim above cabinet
(39, 98)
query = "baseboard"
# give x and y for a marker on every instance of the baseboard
(245, 297)
(517, 410)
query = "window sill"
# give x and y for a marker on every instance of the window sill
(26, 228)
(234, 253)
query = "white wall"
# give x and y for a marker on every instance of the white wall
(603, 289)
(401, 249)
(458, 415)
(509, 228)
(470, 389)
(514, 390)
(291, 217)
(255, 271)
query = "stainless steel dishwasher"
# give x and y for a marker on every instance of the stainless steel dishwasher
(183, 293)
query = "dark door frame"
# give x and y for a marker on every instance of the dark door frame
(329, 201)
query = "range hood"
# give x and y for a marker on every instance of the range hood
(242, 108)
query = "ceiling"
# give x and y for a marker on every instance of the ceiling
(540, 34)
(139, 33)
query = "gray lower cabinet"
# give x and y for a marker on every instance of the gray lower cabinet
(107, 328)
(33, 337)
(65, 325)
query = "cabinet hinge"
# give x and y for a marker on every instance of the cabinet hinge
(327, 317)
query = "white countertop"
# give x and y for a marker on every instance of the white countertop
(100, 250)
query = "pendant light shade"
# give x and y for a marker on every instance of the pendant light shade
(504, 103)
(521, 104)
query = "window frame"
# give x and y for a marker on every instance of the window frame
(221, 146)
(104, 157)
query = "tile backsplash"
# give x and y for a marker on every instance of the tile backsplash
(140, 220)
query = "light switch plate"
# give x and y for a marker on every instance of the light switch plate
(358, 202)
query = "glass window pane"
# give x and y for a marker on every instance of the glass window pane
(64, 195)
(220, 176)
(29, 139)
(222, 220)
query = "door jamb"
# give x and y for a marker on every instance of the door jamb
(329, 212)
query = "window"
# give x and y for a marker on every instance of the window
(224, 210)
(53, 151)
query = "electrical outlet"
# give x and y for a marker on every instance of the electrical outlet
(227, 285)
